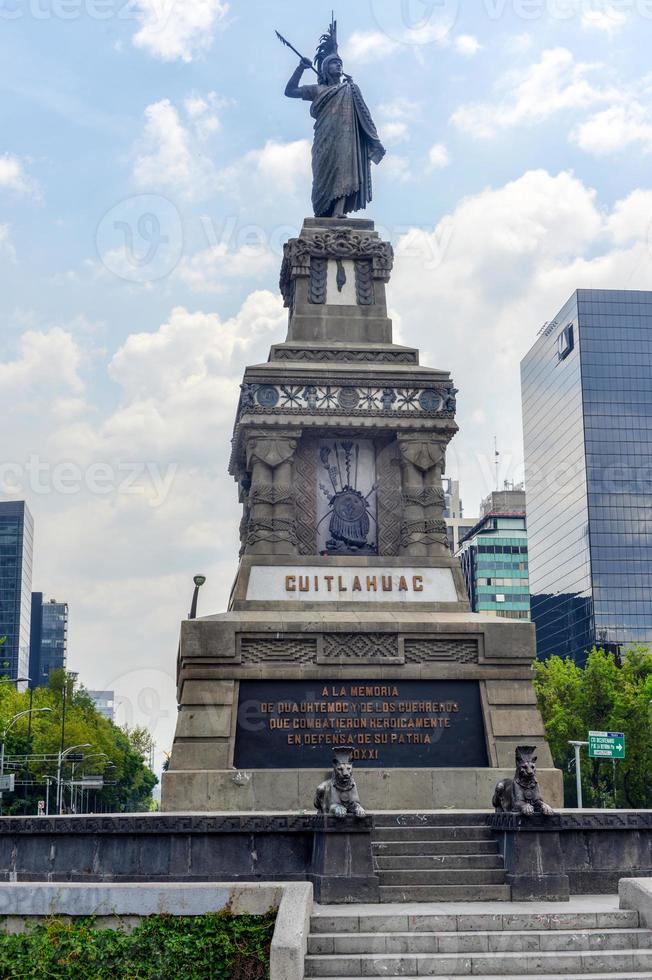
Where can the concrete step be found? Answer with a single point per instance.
(540, 976)
(390, 848)
(479, 942)
(432, 862)
(432, 833)
(445, 893)
(626, 962)
(395, 920)
(447, 876)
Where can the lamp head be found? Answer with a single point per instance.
(199, 580)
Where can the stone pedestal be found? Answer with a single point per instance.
(348, 623)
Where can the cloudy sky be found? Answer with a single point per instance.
(150, 170)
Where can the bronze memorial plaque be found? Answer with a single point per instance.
(397, 724)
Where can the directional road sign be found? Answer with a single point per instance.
(7, 782)
(606, 745)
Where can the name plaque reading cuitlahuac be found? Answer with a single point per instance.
(402, 724)
(339, 583)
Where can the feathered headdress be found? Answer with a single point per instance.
(327, 50)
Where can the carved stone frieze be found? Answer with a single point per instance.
(265, 493)
(286, 649)
(271, 530)
(390, 502)
(420, 651)
(305, 485)
(364, 282)
(422, 453)
(424, 496)
(318, 281)
(269, 450)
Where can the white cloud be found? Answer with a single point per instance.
(439, 156)
(283, 167)
(46, 367)
(396, 169)
(519, 43)
(615, 129)
(495, 268)
(209, 270)
(178, 30)
(366, 46)
(395, 132)
(13, 176)
(402, 109)
(172, 154)
(553, 84)
(608, 20)
(467, 45)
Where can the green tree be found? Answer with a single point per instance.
(128, 780)
(601, 696)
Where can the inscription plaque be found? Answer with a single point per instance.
(387, 724)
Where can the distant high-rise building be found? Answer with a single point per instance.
(457, 524)
(587, 415)
(48, 640)
(16, 550)
(494, 557)
(104, 702)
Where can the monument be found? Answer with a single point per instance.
(348, 625)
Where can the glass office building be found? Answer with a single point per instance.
(587, 416)
(16, 549)
(49, 639)
(494, 558)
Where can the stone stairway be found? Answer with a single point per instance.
(427, 858)
(488, 946)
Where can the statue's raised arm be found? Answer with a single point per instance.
(346, 141)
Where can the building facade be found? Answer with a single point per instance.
(104, 702)
(16, 551)
(587, 414)
(48, 639)
(457, 524)
(494, 557)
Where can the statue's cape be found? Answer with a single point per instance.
(346, 142)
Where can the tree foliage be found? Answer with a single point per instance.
(604, 695)
(215, 946)
(110, 752)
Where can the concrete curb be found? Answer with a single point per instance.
(636, 894)
(37, 900)
(290, 940)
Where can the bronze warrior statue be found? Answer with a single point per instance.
(346, 141)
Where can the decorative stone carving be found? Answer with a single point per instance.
(271, 521)
(522, 794)
(423, 530)
(338, 796)
(341, 243)
(360, 646)
(287, 649)
(348, 356)
(390, 504)
(440, 651)
(364, 282)
(318, 281)
(305, 484)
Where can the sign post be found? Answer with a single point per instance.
(578, 771)
(606, 745)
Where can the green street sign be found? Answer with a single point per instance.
(606, 745)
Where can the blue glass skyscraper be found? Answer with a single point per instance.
(49, 639)
(16, 548)
(587, 416)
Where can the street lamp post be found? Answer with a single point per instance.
(94, 755)
(9, 726)
(199, 580)
(62, 756)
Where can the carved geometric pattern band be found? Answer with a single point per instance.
(327, 354)
(360, 646)
(273, 530)
(433, 651)
(284, 650)
(305, 486)
(310, 396)
(390, 504)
